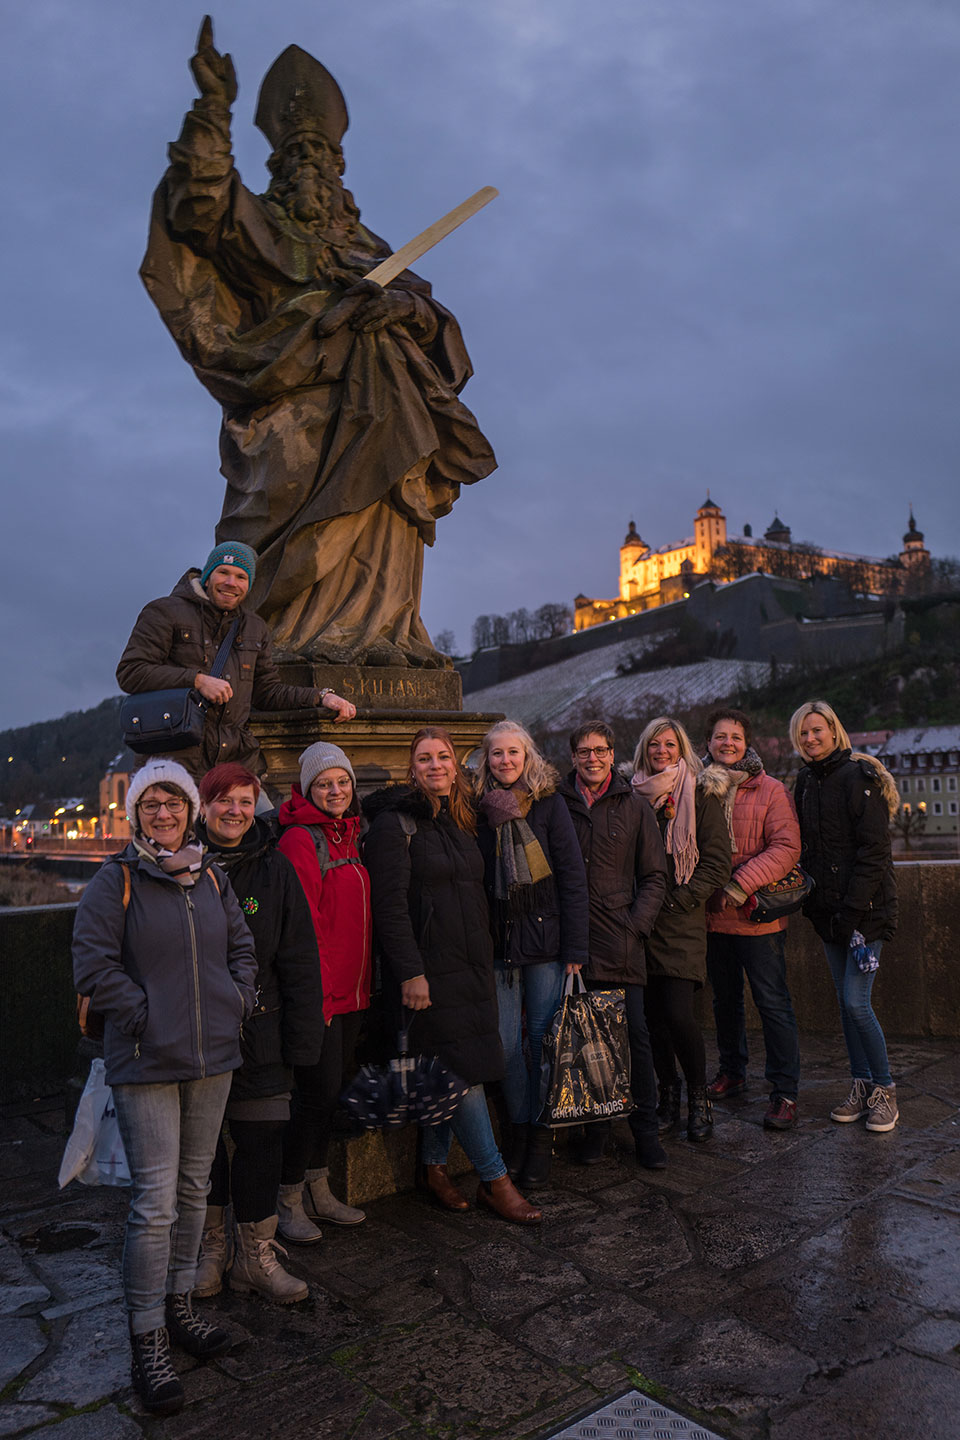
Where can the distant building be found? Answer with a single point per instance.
(113, 800)
(651, 577)
(926, 766)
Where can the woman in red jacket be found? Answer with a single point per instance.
(321, 828)
(765, 838)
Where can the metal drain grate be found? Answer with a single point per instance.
(634, 1416)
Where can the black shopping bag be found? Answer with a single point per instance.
(586, 1058)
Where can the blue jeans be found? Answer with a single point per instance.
(539, 989)
(472, 1127)
(170, 1135)
(761, 959)
(861, 1028)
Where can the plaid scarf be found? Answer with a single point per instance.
(523, 871)
(182, 865)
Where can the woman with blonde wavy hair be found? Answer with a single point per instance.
(537, 888)
(844, 802)
(689, 811)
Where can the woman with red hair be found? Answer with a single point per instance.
(284, 1031)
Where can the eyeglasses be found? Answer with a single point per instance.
(152, 807)
(324, 785)
(601, 752)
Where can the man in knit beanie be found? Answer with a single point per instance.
(174, 644)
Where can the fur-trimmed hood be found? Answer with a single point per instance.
(888, 785)
(715, 780)
(407, 798)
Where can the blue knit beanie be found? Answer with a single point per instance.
(231, 552)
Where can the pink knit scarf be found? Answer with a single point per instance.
(674, 786)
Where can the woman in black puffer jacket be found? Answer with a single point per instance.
(432, 927)
(844, 802)
(285, 1029)
(536, 884)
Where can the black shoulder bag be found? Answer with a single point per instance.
(161, 720)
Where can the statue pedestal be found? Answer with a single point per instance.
(392, 704)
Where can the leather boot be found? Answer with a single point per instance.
(319, 1202)
(256, 1267)
(293, 1223)
(442, 1188)
(213, 1255)
(154, 1378)
(699, 1114)
(502, 1197)
(536, 1167)
(668, 1110)
(515, 1143)
(594, 1143)
(650, 1153)
(188, 1330)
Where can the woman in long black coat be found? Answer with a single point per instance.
(432, 927)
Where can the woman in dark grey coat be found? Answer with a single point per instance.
(693, 827)
(161, 948)
(432, 927)
(537, 888)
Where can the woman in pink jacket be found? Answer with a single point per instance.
(765, 839)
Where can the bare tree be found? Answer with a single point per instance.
(446, 642)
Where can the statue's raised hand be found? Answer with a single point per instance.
(214, 73)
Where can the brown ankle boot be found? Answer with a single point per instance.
(442, 1188)
(504, 1199)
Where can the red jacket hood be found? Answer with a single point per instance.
(301, 811)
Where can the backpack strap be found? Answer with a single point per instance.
(91, 1021)
(322, 847)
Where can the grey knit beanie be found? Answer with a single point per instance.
(322, 756)
(160, 771)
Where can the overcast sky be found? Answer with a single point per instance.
(724, 256)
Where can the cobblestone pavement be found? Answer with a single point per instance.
(771, 1286)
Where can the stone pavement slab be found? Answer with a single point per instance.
(772, 1286)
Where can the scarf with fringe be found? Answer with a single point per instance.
(673, 791)
(522, 871)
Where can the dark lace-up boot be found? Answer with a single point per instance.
(198, 1337)
(154, 1377)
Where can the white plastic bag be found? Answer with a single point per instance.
(94, 1153)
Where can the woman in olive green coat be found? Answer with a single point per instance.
(687, 801)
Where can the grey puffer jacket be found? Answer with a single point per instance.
(173, 975)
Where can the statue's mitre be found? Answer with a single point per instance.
(299, 94)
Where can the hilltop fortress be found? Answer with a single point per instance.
(652, 577)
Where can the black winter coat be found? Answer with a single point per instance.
(627, 875)
(286, 1027)
(845, 829)
(559, 925)
(173, 975)
(176, 638)
(431, 918)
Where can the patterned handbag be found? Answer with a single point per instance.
(783, 897)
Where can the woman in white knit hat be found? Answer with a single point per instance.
(320, 834)
(161, 948)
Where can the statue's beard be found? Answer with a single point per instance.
(313, 201)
